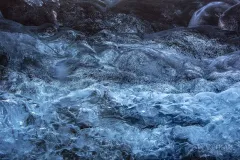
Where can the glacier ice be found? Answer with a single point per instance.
(122, 93)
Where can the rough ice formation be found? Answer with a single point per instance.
(119, 94)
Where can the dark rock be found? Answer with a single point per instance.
(84, 16)
(3, 64)
(209, 14)
(1, 16)
(3, 60)
(69, 155)
(163, 14)
(230, 19)
(91, 16)
(29, 13)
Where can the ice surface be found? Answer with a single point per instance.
(119, 95)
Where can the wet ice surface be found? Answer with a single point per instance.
(168, 95)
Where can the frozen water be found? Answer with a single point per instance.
(119, 95)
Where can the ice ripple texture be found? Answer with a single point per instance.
(168, 95)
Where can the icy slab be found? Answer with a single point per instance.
(168, 95)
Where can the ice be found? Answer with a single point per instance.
(118, 95)
(35, 2)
